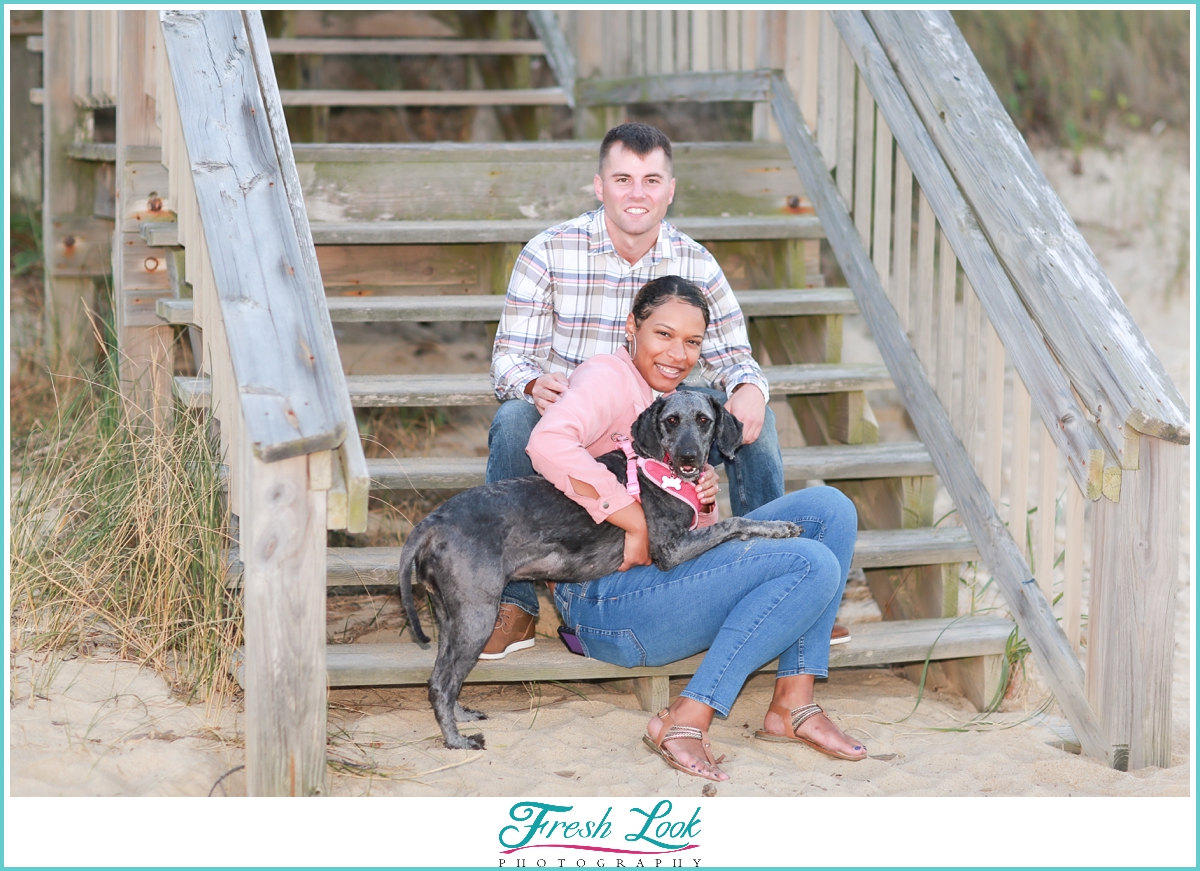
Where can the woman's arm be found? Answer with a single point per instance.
(602, 399)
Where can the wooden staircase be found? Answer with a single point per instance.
(885, 144)
(428, 233)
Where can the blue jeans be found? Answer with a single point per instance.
(745, 602)
(755, 473)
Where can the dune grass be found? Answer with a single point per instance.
(1063, 74)
(117, 530)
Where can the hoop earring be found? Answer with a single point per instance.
(632, 345)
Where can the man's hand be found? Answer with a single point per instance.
(545, 390)
(749, 406)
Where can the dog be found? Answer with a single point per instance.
(465, 551)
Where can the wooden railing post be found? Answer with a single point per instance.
(283, 549)
(139, 272)
(1131, 612)
(76, 243)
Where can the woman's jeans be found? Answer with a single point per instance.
(745, 602)
(755, 474)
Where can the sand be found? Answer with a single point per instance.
(97, 726)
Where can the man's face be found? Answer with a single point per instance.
(635, 191)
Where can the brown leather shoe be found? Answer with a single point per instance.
(514, 630)
(839, 635)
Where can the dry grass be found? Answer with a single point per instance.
(117, 536)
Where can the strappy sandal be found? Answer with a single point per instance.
(671, 731)
(792, 720)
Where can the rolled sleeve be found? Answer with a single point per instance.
(584, 415)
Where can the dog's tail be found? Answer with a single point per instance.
(408, 572)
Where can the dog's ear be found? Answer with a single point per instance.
(729, 429)
(644, 432)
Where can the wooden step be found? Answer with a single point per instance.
(876, 549)
(486, 307)
(872, 644)
(403, 46)
(507, 97)
(410, 391)
(825, 462)
(166, 233)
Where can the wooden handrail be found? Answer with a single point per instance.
(753, 86)
(280, 357)
(350, 455)
(1091, 463)
(558, 52)
(1033, 613)
(1110, 363)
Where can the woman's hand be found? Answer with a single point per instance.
(637, 535)
(708, 485)
(637, 550)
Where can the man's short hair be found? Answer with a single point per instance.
(641, 139)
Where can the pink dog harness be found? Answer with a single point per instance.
(662, 475)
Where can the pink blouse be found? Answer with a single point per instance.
(604, 397)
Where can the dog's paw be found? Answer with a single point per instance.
(468, 715)
(783, 529)
(464, 742)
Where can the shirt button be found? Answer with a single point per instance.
(605, 505)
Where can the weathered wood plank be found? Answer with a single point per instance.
(419, 390)
(450, 232)
(874, 644)
(1033, 612)
(475, 232)
(282, 542)
(481, 307)
(549, 180)
(876, 549)
(497, 97)
(1131, 610)
(1047, 511)
(100, 152)
(272, 326)
(832, 462)
(553, 43)
(139, 273)
(696, 87)
(350, 454)
(373, 391)
(1115, 371)
(1076, 437)
(402, 46)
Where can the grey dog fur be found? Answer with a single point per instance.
(465, 551)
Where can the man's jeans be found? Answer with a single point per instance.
(745, 602)
(755, 473)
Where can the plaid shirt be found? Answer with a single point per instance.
(570, 295)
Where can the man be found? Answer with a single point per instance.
(569, 295)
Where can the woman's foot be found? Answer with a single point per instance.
(817, 731)
(686, 753)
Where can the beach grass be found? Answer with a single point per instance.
(118, 529)
(1064, 74)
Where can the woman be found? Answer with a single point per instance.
(745, 602)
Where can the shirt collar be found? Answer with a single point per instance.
(599, 242)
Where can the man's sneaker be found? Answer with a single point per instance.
(840, 635)
(513, 631)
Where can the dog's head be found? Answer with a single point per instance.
(680, 429)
